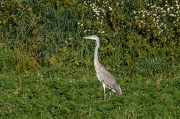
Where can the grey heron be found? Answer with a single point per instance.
(102, 74)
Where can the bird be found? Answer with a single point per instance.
(102, 74)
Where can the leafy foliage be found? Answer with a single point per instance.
(51, 32)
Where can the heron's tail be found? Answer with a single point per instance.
(118, 90)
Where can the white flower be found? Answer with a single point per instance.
(177, 6)
(154, 14)
(143, 15)
(110, 8)
(102, 32)
(161, 24)
(177, 19)
(176, 2)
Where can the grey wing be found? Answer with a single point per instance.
(108, 79)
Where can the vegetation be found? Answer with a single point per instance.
(46, 68)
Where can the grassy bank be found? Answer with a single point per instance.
(76, 93)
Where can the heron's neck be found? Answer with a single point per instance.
(96, 62)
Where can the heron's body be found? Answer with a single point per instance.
(103, 75)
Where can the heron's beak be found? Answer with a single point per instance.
(88, 37)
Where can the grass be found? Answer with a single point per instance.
(76, 93)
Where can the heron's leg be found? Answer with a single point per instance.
(104, 87)
(110, 94)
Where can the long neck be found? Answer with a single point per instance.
(96, 62)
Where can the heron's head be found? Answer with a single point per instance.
(93, 37)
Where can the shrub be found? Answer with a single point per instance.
(51, 32)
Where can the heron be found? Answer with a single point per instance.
(102, 74)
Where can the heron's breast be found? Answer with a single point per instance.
(99, 78)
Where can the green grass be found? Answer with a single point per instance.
(76, 93)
